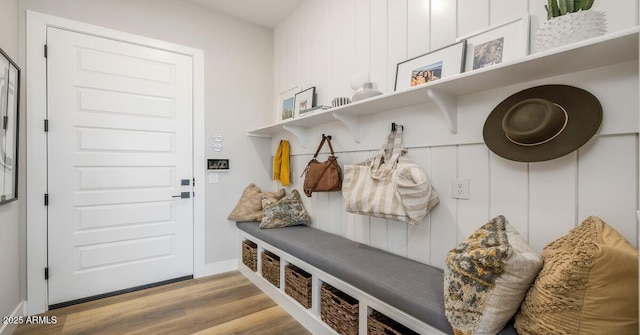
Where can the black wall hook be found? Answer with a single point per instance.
(326, 136)
(393, 126)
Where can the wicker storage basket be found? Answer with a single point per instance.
(380, 324)
(250, 255)
(271, 268)
(297, 284)
(338, 310)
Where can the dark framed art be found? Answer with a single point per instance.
(9, 125)
(304, 101)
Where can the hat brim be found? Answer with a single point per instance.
(584, 118)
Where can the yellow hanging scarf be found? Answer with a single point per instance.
(281, 163)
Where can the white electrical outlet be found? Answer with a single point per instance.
(460, 188)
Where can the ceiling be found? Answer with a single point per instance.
(267, 13)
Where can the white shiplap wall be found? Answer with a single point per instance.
(325, 42)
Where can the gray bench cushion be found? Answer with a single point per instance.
(412, 287)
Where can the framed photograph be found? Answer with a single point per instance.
(431, 66)
(498, 44)
(305, 101)
(287, 104)
(9, 125)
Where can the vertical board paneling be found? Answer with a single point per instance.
(473, 163)
(543, 200)
(313, 57)
(616, 182)
(443, 216)
(506, 10)
(509, 192)
(419, 236)
(362, 36)
(304, 41)
(334, 25)
(418, 38)
(552, 199)
(443, 23)
(622, 15)
(324, 83)
(473, 16)
(378, 233)
(348, 46)
(397, 16)
(379, 44)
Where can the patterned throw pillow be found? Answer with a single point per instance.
(588, 285)
(249, 207)
(288, 211)
(486, 277)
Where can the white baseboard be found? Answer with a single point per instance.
(7, 329)
(218, 267)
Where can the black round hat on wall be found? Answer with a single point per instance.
(542, 123)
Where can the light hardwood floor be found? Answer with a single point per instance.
(222, 304)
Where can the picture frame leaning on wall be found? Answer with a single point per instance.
(497, 44)
(430, 67)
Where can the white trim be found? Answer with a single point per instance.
(7, 329)
(36, 37)
(311, 318)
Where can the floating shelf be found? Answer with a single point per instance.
(613, 48)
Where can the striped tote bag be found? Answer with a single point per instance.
(389, 185)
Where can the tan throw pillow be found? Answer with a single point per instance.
(486, 277)
(588, 285)
(288, 211)
(249, 207)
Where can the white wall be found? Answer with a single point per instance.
(325, 42)
(11, 246)
(238, 83)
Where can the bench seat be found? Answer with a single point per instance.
(412, 287)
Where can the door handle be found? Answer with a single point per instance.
(183, 195)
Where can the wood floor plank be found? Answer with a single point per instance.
(260, 323)
(221, 304)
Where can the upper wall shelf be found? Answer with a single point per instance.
(614, 48)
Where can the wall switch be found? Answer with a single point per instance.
(460, 188)
(213, 178)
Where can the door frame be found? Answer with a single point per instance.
(36, 98)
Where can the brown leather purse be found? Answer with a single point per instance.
(322, 176)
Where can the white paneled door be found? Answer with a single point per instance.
(119, 160)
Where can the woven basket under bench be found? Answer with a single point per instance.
(297, 284)
(339, 310)
(380, 324)
(250, 255)
(271, 268)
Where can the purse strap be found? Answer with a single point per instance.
(324, 138)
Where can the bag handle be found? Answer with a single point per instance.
(381, 166)
(324, 138)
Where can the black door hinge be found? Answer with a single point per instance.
(45, 51)
(46, 273)
(46, 199)
(46, 125)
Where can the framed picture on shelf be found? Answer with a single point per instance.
(304, 101)
(287, 104)
(431, 66)
(9, 125)
(497, 44)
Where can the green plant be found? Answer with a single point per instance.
(557, 8)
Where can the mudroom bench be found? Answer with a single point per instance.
(408, 292)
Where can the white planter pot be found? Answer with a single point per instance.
(570, 28)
